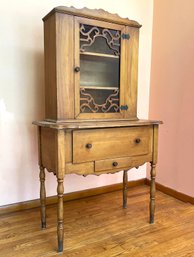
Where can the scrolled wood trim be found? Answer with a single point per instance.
(94, 14)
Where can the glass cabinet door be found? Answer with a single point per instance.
(98, 68)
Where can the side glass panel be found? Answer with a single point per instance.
(99, 69)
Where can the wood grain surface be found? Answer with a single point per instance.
(98, 227)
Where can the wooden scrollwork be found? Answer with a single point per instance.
(87, 102)
(88, 37)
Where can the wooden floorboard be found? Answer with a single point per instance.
(97, 226)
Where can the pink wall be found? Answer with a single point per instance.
(172, 91)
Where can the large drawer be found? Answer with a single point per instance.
(100, 144)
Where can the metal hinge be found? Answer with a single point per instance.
(125, 36)
(124, 107)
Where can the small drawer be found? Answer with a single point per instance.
(101, 144)
(111, 164)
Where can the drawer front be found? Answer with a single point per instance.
(101, 144)
(111, 164)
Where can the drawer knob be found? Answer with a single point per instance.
(115, 164)
(88, 146)
(77, 69)
(137, 140)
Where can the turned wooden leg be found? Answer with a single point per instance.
(125, 187)
(42, 197)
(152, 192)
(60, 226)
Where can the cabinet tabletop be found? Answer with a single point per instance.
(84, 124)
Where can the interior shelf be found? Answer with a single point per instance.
(100, 55)
(99, 87)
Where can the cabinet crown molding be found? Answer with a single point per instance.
(98, 14)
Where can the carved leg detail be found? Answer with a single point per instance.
(125, 187)
(42, 197)
(152, 192)
(60, 227)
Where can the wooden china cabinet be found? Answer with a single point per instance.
(91, 124)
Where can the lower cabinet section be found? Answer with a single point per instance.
(97, 151)
(76, 148)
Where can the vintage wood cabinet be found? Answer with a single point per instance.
(91, 124)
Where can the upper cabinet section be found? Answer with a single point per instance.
(90, 65)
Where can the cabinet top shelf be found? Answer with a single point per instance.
(100, 55)
(99, 88)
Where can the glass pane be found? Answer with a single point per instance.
(99, 69)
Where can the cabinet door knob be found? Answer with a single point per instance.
(77, 69)
(88, 146)
(137, 140)
(115, 164)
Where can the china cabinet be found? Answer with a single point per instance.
(91, 124)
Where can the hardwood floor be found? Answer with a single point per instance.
(98, 226)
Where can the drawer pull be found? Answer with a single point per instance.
(115, 164)
(137, 140)
(88, 146)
